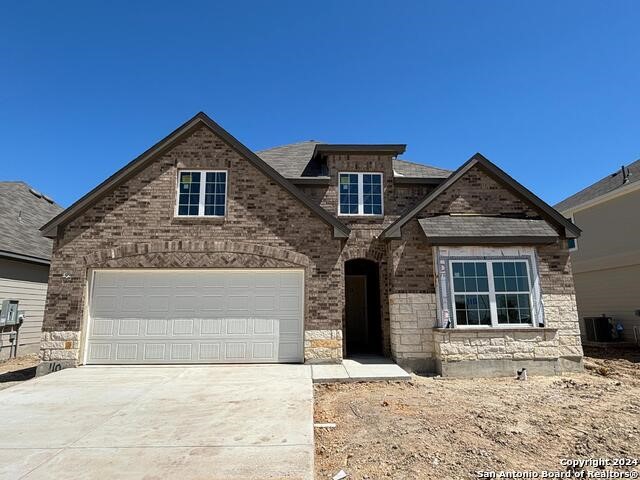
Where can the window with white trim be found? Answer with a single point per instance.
(491, 293)
(360, 193)
(201, 193)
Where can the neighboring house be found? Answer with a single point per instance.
(606, 258)
(24, 259)
(202, 251)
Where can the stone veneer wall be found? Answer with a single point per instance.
(59, 345)
(561, 312)
(323, 346)
(413, 317)
(559, 300)
(496, 351)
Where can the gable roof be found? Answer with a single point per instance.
(22, 211)
(297, 160)
(571, 231)
(601, 187)
(339, 229)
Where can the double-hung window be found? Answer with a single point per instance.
(491, 293)
(201, 193)
(360, 194)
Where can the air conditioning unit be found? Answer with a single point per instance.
(598, 329)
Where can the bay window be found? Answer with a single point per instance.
(491, 293)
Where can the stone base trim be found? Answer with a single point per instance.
(419, 364)
(460, 344)
(571, 364)
(46, 368)
(497, 368)
(323, 346)
(60, 345)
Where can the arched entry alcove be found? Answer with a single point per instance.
(363, 329)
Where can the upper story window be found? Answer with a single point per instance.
(201, 193)
(491, 293)
(360, 194)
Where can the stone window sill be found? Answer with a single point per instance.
(498, 330)
(211, 219)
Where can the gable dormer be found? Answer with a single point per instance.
(362, 176)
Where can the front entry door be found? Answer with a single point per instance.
(357, 324)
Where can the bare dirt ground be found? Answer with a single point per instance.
(451, 428)
(17, 370)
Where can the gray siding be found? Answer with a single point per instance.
(610, 231)
(606, 265)
(613, 292)
(27, 283)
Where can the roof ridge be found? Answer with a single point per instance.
(567, 200)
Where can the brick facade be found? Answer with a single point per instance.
(133, 226)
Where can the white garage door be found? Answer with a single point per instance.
(195, 316)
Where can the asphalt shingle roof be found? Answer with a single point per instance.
(453, 226)
(605, 185)
(293, 161)
(289, 160)
(21, 215)
(410, 169)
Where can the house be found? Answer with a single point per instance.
(24, 260)
(202, 251)
(606, 258)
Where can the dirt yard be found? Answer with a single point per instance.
(435, 428)
(17, 370)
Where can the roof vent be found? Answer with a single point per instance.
(48, 199)
(625, 175)
(35, 192)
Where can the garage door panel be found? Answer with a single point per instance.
(102, 328)
(213, 316)
(130, 327)
(154, 352)
(211, 326)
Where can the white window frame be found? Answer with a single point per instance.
(361, 195)
(202, 193)
(493, 306)
(575, 240)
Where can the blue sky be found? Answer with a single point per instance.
(550, 91)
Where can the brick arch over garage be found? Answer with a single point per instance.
(196, 254)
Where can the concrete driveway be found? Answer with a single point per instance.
(196, 422)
